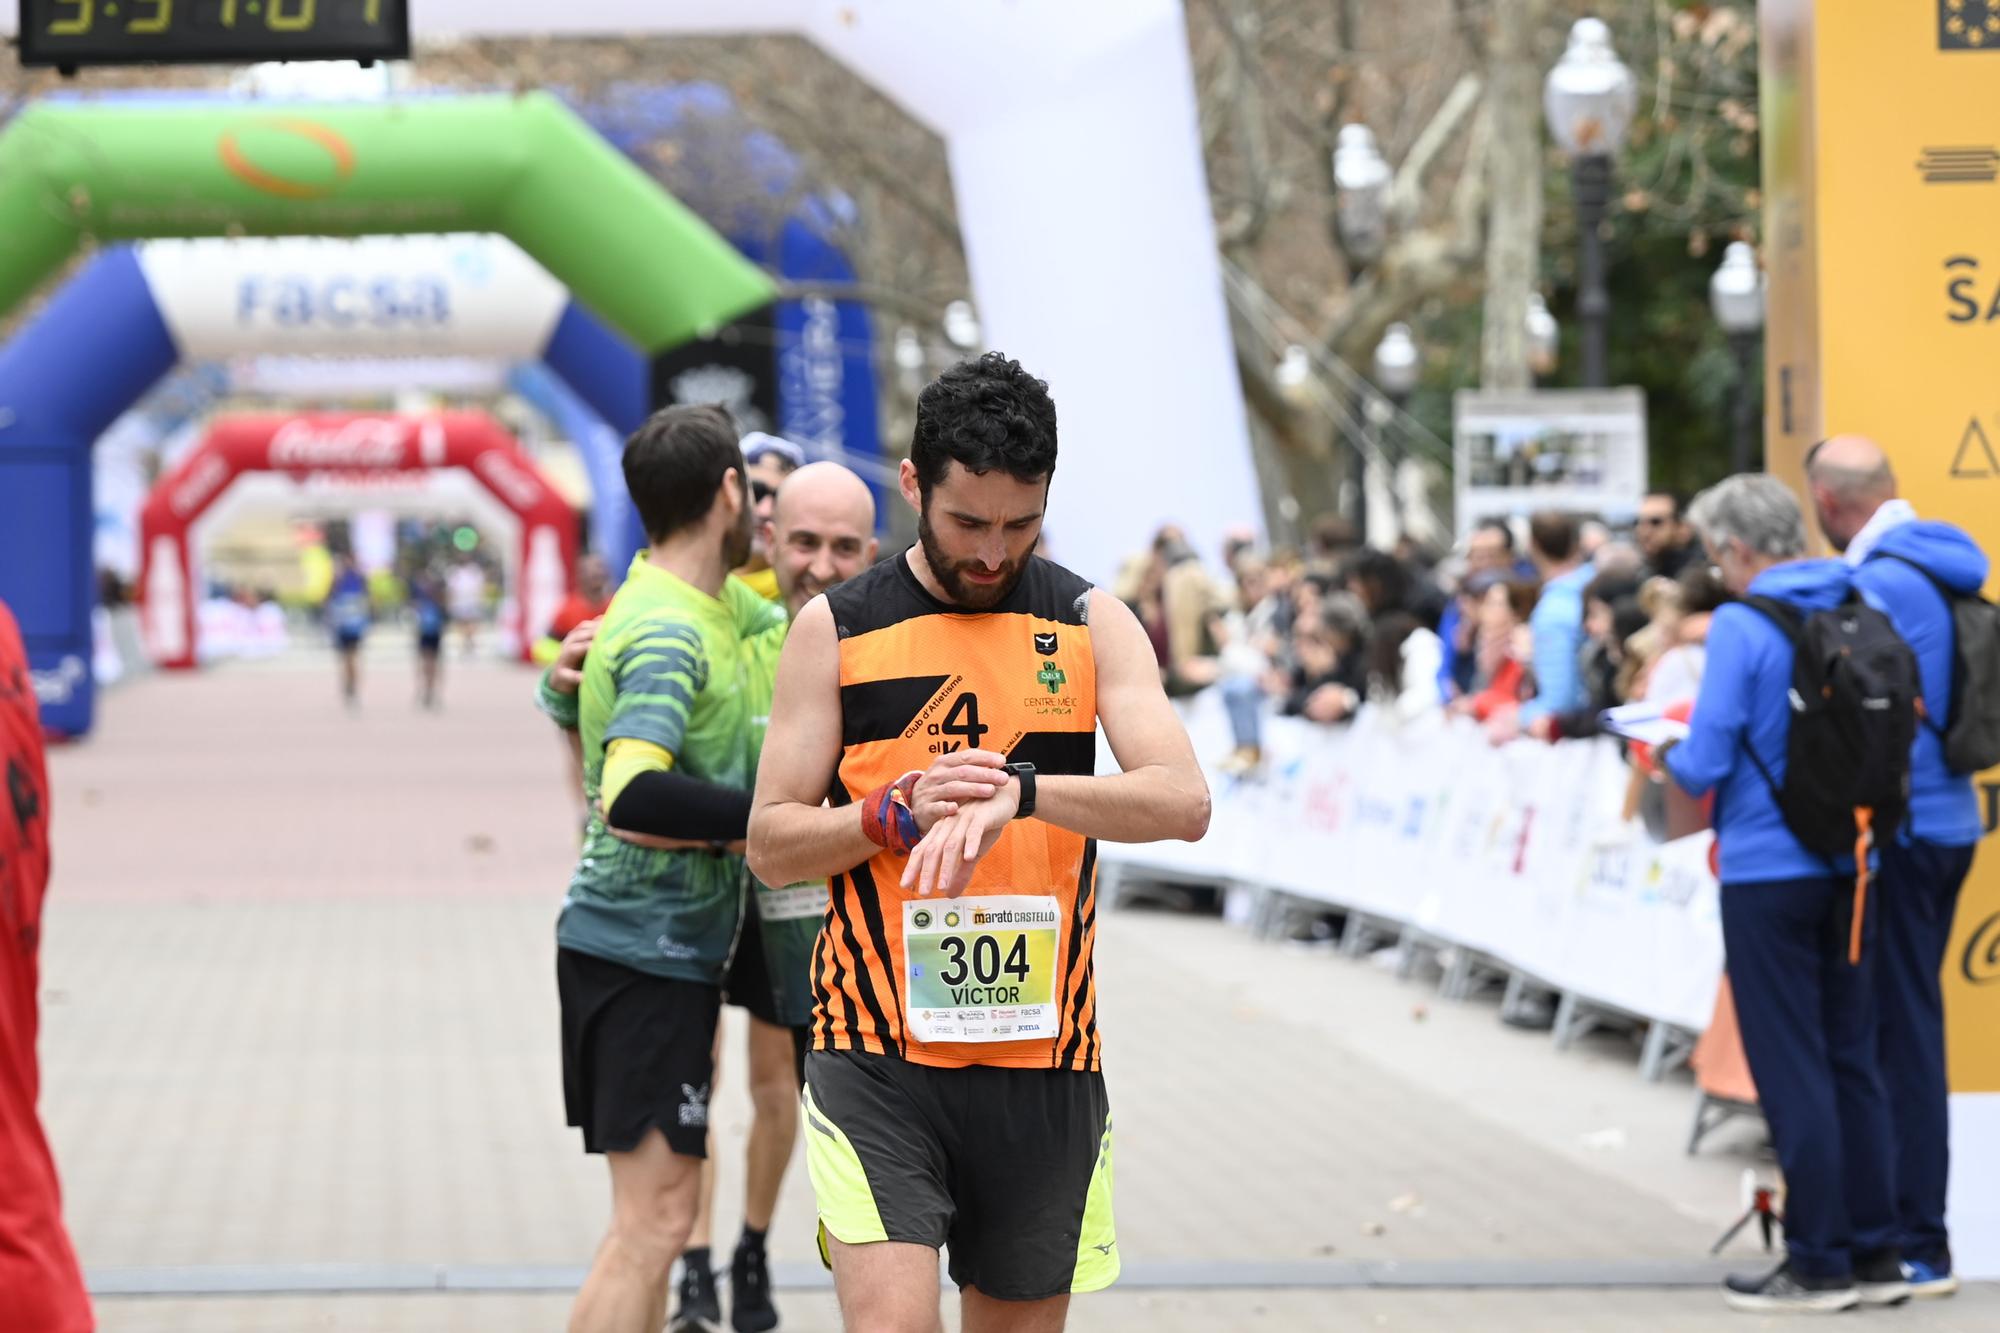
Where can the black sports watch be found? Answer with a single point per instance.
(1026, 774)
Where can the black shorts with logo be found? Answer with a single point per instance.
(1009, 1169)
(637, 1053)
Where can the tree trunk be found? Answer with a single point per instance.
(1514, 184)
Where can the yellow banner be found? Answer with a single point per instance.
(1883, 218)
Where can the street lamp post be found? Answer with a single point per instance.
(1361, 179)
(1544, 337)
(961, 326)
(1589, 98)
(1398, 363)
(1736, 294)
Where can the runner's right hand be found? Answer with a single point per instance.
(566, 676)
(962, 775)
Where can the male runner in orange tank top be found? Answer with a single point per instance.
(932, 751)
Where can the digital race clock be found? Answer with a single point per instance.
(73, 33)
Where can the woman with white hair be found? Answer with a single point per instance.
(1807, 1013)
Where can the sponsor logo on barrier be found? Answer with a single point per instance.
(1324, 803)
(340, 154)
(1982, 953)
(199, 486)
(364, 442)
(1527, 834)
(58, 685)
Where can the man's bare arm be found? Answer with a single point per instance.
(1161, 792)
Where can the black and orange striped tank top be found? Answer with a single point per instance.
(1002, 974)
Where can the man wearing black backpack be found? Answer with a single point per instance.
(1802, 720)
(1926, 577)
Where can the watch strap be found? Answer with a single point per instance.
(1025, 775)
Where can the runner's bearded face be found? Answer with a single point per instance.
(978, 531)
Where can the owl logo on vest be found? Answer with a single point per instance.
(1045, 644)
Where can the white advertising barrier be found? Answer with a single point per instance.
(1518, 852)
(460, 295)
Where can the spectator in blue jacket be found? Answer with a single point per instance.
(1895, 556)
(1807, 1015)
(1557, 625)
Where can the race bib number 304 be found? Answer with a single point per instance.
(982, 969)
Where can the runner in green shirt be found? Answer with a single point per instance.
(646, 933)
(669, 669)
(821, 532)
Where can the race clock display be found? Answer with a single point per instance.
(71, 34)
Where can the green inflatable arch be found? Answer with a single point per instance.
(522, 166)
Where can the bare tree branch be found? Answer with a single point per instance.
(1406, 191)
(1246, 117)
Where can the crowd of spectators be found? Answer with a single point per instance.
(1530, 628)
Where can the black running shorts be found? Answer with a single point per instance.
(1009, 1169)
(637, 1053)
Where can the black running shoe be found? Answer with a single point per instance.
(1783, 1291)
(1880, 1280)
(750, 1308)
(699, 1310)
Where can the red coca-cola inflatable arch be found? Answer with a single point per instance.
(351, 444)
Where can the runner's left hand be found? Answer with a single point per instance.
(944, 861)
(566, 676)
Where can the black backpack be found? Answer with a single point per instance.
(1854, 717)
(1971, 730)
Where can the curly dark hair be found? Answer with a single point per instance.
(985, 414)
